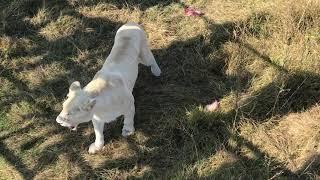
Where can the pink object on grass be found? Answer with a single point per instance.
(214, 106)
(189, 11)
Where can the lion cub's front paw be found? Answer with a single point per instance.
(126, 132)
(94, 148)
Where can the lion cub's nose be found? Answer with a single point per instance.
(60, 119)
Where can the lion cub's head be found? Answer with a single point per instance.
(77, 108)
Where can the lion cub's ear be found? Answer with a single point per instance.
(75, 86)
(89, 105)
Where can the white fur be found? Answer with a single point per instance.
(109, 94)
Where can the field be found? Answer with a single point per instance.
(260, 58)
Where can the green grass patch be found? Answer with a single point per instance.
(4, 122)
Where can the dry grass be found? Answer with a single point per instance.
(293, 140)
(259, 57)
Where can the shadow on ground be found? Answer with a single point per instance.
(191, 76)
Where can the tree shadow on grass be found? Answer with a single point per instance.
(15, 161)
(188, 144)
(190, 77)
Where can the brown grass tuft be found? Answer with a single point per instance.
(64, 26)
(293, 140)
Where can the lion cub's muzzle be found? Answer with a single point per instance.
(64, 122)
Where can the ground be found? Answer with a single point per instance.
(260, 58)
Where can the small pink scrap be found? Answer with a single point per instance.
(189, 11)
(214, 106)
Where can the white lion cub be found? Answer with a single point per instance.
(109, 94)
